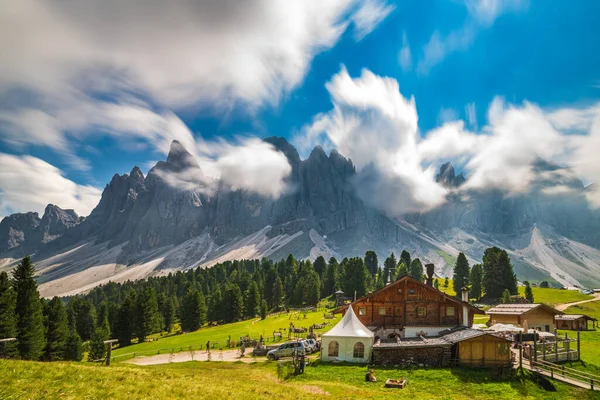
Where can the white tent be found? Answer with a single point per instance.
(348, 341)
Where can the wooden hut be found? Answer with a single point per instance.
(479, 348)
(574, 322)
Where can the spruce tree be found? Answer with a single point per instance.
(168, 314)
(84, 313)
(277, 293)
(356, 278)
(8, 321)
(330, 280)
(73, 347)
(215, 311)
(402, 270)
(388, 268)
(320, 266)
(498, 273)
(405, 256)
(506, 296)
(126, 319)
(233, 303)
(57, 329)
(97, 345)
(529, 294)
(461, 273)
(371, 262)
(475, 279)
(416, 269)
(193, 311)
(263, 310)
(28, 310)
(252, 300)
(147, 316)
(446, 283)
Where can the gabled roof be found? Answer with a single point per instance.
(520, 309)
(466, 334)
(349, 326)
(408, 278)
(572, 317)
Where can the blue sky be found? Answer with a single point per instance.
(453, 57)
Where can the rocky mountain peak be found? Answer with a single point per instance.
(286, 148)
(179, 158)
(447, 176)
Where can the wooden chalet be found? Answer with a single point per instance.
(538, 316)
(409, 308)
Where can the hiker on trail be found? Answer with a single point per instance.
(208, 346)
(370, 376)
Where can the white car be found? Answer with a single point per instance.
(310, 345)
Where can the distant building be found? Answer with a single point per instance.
(537, 316)
(574, 322)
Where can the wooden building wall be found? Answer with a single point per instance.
(538, 319)
(402, 300)
(486, 350)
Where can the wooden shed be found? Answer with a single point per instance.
(479, 349)
(538, 316)
(574, 322)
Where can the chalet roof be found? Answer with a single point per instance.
(349, 326)
(520, 309)
(446, 340)
(466, 334)
(409, 278)
(573, 317)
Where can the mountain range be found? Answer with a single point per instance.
(145, 225)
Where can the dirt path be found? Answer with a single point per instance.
(563, 307)
(184, 356)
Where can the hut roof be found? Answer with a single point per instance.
(520, 309)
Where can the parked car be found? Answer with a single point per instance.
(311, 345)
(286, 350)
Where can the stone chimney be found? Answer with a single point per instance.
(465, 298)
(429, 269)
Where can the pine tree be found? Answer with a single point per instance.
(277, 293)
(371, 262)
(544, 284)
(126, 319)
(193, 311)
(263, 310)
(498, 273)
(215, 311)
(252, 300)
(388, 268)
(168, 314)
(475, 279)
(436, 284)
(446, 283)
(320, 266)
(416, 269)
(506, 296)
(402, 270)
(356, 277)
(97, 346)
(461, 274)
(405, 256)
(30, 320)
(73, 347)
(84, 314)
(269, 284)
(147, 316)
(102, 321)
(330, 281)
(8, 322)
(57, 329)
(529, 294)
(233, 303)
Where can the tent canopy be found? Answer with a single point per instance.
(349, 326)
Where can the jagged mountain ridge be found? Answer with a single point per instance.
(143, 225)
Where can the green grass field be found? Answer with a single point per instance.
(218, 335)
(553, 297)
(221, 380)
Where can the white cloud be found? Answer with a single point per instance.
(373, 124)
(482, 15)
(369, 15)
(29, 184)
(404, 56)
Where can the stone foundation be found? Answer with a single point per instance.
(411, 356)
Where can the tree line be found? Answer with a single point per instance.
(227, 292)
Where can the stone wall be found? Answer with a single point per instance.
(410, 356)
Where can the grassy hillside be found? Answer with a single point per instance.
(555, 296)
(590, 340)
(214, 380)
(219, 334)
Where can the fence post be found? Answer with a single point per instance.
(592, 384)
(534, 346)
(521, 357)
(563, 370)
(551, 372)
(556, 350)
(578, 345)
(544, 351)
